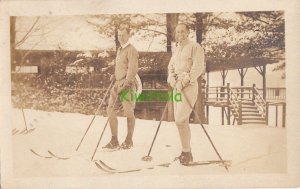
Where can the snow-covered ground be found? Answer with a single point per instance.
(251, 148)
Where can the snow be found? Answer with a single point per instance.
(251, 148)
(103, 54)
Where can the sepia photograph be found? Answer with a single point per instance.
(139, 95)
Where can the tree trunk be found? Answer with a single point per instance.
(199, 27)
(172, 20)
(12, 40)
(200, 103)
(117, 43)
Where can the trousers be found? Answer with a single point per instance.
(182, 113)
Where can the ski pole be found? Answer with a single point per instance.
(104, 128)
(100, 105)
(24, 118)
(148, 157)
(211, 142)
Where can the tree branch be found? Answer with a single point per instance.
(155, 31)
(253, 18)
(27, 34)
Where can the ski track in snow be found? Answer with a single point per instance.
(251, 148)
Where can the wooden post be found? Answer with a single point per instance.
(223, 77)
(229, 114)
(222, 109)
(144, 112)
(207, 78)
(240, 119)
(222, 89)
(276, 115)
(207, 106)
(228, 109)
(207, 114)
(228, 94)
(242, 82)
(253, 93)
(283, 114)
(221, 95)
(264, 82)
(267, 113)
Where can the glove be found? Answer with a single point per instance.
(172, 80)
(112, 78)
(179, 86)
(184, 78)
(182, 81)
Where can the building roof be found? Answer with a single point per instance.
(152, 62)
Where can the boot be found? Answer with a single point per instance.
(185, 158)
(113, 144)
(127, 144)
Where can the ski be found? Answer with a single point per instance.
(106, 168)
(110, 168)
(115, 171)
(15, 131)
(29, 131)
(23, 131)
(225, 163)
(103, 169)
(112, 171)
(35, 153)
(57, 157)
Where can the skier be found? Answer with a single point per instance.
(126, 67)
(185, 66)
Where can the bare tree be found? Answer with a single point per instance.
(107, 25)
(22, 34)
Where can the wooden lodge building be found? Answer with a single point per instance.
(73, 70)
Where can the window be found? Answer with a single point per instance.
(161, 84)
(26, 69)
(76, 69)
(276, 92)
(147, 84)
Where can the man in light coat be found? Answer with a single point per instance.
(185, 66)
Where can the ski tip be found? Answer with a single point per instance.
(15, 132)
(23, 131)
(30, 130)
(105, 165)
(35, 153)
(103, 169)
(58, 157)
